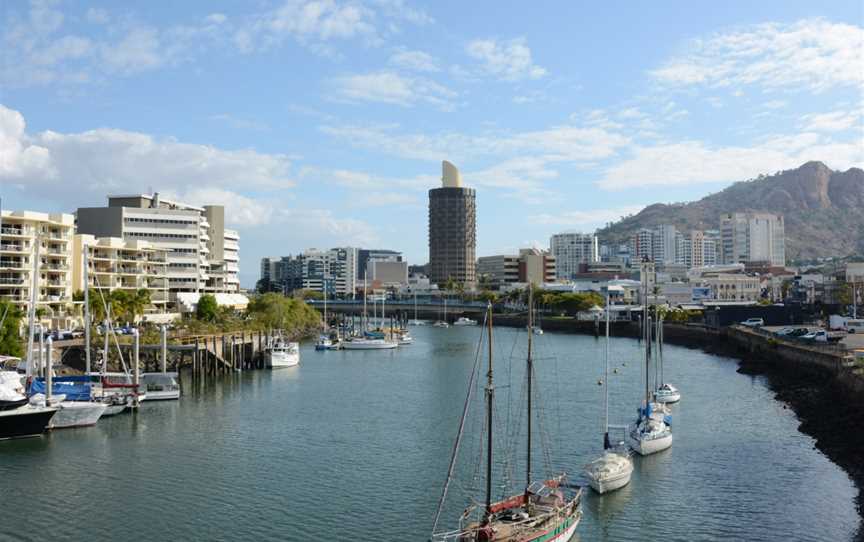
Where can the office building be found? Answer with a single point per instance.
(753, 237)
(570, 250)
(365, 255)
(531, 266)
(20, 234)
(202, 255)
(452, 230)
(117, 264)
(387, 273)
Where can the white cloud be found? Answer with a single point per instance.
(397, 9)
(775, 104)
(240, 210)
(240, 123)
(385, 199)
(557, 143)
(87, 165)
(508, 60)
(835, 121)
(689, 162)
(414, 60)
(392, 88)
(322, 228)
(592, 217)
(811, 54)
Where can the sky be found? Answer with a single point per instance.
(323, 123)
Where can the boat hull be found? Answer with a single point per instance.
(77, 414)
(280, 360)
(351, 345)
(650, 446)
(611, 483)
(25, 421)
(667, 398)
(113, 410)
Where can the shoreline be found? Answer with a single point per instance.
(827, 412)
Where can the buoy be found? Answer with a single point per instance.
(600, 382)
(615, 371)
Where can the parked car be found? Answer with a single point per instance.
(854, 326)
(753, 322)
(823, 336)
(784, 331)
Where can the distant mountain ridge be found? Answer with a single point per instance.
(823, 210)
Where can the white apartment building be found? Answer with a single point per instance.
(572, 249)
(23, 234)
(194, 238)
(117, 264)
(753, 237)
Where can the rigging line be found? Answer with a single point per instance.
(461, 428)
(110, 325)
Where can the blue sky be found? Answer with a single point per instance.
(323, 123)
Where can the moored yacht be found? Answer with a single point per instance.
(464, 321)
(667, 393)
(160, 386)
(361, 343)
(281, 353)
(18, 418)
(613, 469)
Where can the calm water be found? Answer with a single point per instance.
(355, 446)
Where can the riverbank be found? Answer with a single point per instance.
(830, 407)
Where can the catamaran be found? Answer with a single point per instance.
(613, 469)
(546, 510)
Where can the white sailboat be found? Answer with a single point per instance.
(665, 393)
(652, 432)
(415, 321)
(443, 322)
(613, 469)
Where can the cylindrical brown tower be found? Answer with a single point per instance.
(452, 230)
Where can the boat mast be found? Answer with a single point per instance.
(415, 306)
(490, 392)
(84, 259)
(530, 371)
(364, 323)
(606, 445)
(31, 310)
(325, 305)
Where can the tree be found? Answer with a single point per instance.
(10, 316)
(488, 296)
(307, 294)
(207, 308)
(844, 294)
(275, 311)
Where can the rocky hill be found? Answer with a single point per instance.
(823, 209)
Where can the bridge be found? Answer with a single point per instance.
(425, 310)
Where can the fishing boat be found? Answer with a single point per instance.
(613, 469)
(546, 510)
(463, 321)
(281, 353)
(19, 418)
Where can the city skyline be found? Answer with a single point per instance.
(348, 109)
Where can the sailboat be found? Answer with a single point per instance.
(613, 469)
(665, 393)
(652, 432)
(443, 322)
(368, 340)
(547, 510)
(415, 321)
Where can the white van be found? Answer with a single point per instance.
(855, 326)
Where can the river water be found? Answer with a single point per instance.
(355, 446)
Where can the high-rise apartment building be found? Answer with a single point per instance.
(202, 255)
(20, 234)
(333, 271)
(116, 264)
(753, 237)
(452, 230)
(570, 250)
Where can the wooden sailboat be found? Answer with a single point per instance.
(546, 511)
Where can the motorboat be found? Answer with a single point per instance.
(404, 338)
(19, 418)
(463, 321)
(281, 353)
(326, 343)
(160, 386)
(667, 394)
(361, 343)
(440, 323)
(416, 322)
(538, 331)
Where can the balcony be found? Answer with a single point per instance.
(18, 232)
(14, 281)
(12, 264)
(12, 247)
